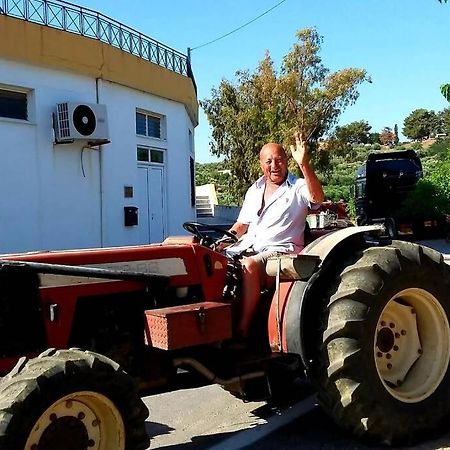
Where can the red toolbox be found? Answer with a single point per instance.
(187, 325)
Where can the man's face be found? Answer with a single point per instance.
(273, 162)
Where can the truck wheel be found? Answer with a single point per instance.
(385, 373)
(71, 399)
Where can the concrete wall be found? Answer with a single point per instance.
(64, 196)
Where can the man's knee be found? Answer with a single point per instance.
(250, 265)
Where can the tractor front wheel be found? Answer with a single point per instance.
(73, 400)
(386, 353)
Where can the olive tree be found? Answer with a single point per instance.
(268, 105)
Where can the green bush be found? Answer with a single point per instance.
(431, 196)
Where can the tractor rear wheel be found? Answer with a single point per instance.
(71, 399)
(386, 348)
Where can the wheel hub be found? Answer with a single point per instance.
(412, 345)
(68, 424)
(397, 343)
(81, 420)
(65, 432)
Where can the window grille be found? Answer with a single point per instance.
(149, 125)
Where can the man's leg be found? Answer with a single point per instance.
(254, 280)
(251, 291)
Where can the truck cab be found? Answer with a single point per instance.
(382, 184)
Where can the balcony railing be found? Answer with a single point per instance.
(86, 22)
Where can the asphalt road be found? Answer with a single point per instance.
(208, 418)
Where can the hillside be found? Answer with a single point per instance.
(339, 175)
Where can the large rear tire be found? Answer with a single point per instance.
(73, 400)
(385, 359)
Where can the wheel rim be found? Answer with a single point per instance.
(79, 420)
(412, 345)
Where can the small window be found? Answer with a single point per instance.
(140, 124)
(151, 155)
(13, 104)
(360, 190)
(156, 156)
(192, 173)
(142, 154)
(191, 142)
(148, 125)
(154, 127)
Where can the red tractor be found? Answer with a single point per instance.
(364, 318)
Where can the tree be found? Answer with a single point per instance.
(269, 106)
(354, 132)
(445, 91)
(444, 117)
(218, 174)
(374, 138)
(421, 124)
(396, 141)
(430, 198)
(243, 117)
(387, 137)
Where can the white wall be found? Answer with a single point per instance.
(50, 195)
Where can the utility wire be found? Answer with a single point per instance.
(239, 28)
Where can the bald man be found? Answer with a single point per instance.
(272, 218)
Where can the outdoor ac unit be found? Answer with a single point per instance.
(81, 121)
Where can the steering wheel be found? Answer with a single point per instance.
(200, 231)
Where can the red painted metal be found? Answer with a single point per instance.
(193, 255)
(200, 266)
(66, 297)
(276, 324)
(188, 325)
(7, 363)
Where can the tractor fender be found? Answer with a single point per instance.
(288, 316)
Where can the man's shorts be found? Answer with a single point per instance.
(261, 259)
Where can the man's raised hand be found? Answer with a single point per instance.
(300, 150)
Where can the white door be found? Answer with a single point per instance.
(151, 205)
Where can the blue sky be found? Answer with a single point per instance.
(403, 44)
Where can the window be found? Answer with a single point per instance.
(149, 125)
(360, 190)
(192, 173)
(150, 155)
(13, 104)
(191, 142)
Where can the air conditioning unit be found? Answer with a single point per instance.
(81, 121)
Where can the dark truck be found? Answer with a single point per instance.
(383, 183)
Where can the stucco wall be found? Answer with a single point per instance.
(60, 196)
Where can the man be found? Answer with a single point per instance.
(272, 218)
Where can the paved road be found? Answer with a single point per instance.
(208, 418)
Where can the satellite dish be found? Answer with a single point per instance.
(84, 120)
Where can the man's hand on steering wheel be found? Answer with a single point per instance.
(224, 242)
(200, 230)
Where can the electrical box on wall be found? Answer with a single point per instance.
(130, 214)
(81, 121)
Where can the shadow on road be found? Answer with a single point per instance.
(315, 430)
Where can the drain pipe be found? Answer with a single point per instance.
(100, 163)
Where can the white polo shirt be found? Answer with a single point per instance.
(279, 226)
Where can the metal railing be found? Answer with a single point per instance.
(86, 22)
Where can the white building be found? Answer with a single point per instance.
(84, 193)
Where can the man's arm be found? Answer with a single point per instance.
(300, 155)
(239, 229)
